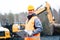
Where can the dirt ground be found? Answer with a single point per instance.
(50, 38)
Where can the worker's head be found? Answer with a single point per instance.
(30, 9)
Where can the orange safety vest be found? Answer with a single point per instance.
(30, 26)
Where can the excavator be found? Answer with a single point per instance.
(48, 20)
(45, 14)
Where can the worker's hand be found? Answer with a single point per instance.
(30, 33)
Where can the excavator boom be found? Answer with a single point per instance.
(48, 10)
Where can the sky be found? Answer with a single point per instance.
(17, 6)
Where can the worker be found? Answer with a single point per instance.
(33, 25)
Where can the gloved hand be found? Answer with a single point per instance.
(22, 34)
(30, 33)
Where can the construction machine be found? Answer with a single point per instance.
(4, 33)
(46, 17)
(48, 21)
(16, 28)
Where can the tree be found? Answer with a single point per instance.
(22, 16)
(16, 18)
(11, 18)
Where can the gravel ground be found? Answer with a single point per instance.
(50, 38)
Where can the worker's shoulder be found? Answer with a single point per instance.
(35, 17)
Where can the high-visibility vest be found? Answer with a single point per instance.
(30, 26)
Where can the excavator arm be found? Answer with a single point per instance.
(49, 28)
(48, 10)
(40, 10)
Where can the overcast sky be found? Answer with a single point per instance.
(16, 6)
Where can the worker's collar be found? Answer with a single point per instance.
(29, 16)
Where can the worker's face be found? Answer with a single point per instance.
(30, 11)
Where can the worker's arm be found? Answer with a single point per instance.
(38, 26)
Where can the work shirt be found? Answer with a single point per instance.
(38, 26)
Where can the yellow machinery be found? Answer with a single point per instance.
(49, 14)
(4, 33)
(51, 25)
(15, 28)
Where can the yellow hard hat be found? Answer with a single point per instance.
(30, 7)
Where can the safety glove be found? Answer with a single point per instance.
(22, 34)
(29, 33)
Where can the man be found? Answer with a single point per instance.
(33, 25)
